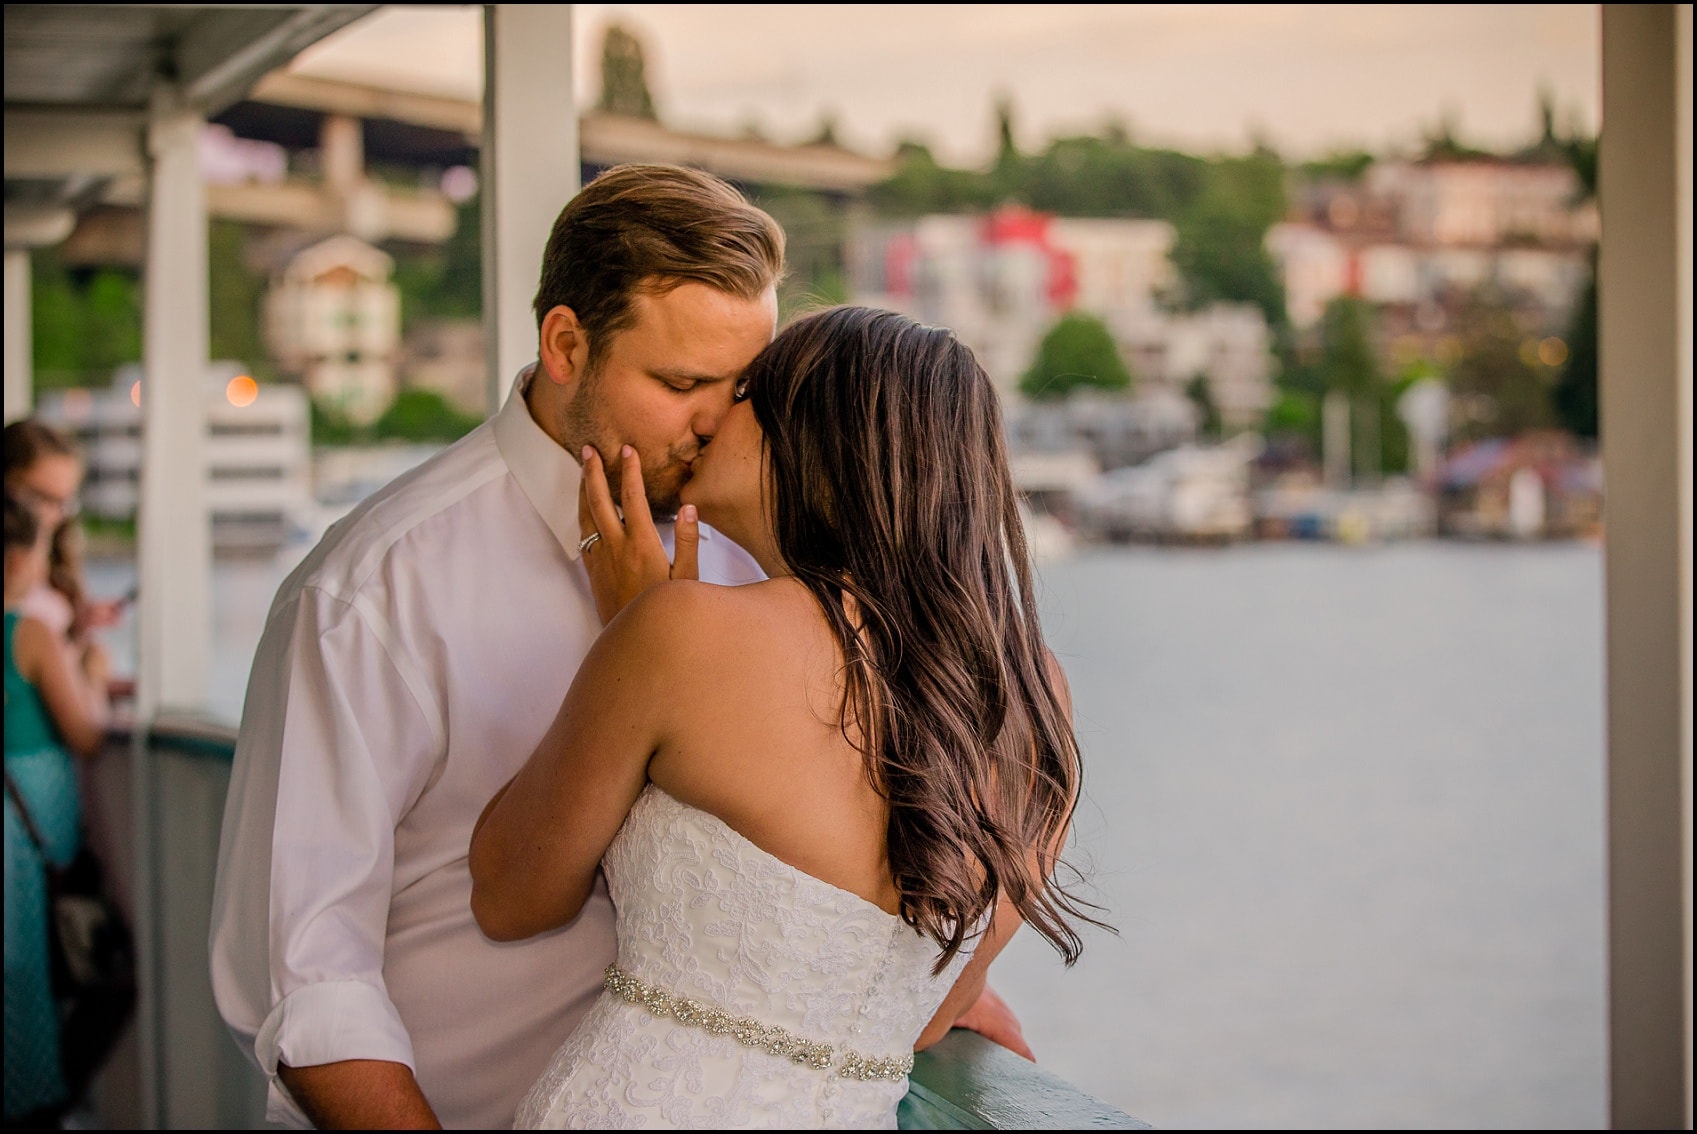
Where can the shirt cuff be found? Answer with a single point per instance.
(328, 1022)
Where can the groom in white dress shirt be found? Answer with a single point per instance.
(412, 662)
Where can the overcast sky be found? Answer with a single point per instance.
(1310, 78)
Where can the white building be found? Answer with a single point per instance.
(1318, 265)
(258, 443)
(333, 319)
(1000, 282)
(1228, 345)
(1314, 265)
(1117, 265)
(1484, 202)
(1410, 232)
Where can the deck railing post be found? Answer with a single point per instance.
(174, 551)
(530, 169)
(1645, 293)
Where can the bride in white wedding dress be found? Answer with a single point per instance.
(823, 802)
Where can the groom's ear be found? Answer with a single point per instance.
(564, 347)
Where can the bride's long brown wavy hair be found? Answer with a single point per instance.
(890, 486)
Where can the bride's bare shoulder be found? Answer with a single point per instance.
(684, 611)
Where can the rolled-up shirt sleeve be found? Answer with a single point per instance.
(340, 733)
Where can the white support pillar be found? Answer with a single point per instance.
(530, 169)
(176, 563)
(1644, 287)
(174, 554)
(20, 383)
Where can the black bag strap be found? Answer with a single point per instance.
(23, 812)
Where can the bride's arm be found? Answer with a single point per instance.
(970, 985)
(536, 847)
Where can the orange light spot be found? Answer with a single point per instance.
(135, 393)
(242, 390)
(1552, 351)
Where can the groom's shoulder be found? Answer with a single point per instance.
(356, 547)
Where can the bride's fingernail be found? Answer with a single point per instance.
(627, 451)
(587, 453)
(688, 513)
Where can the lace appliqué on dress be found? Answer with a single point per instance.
(705, 914)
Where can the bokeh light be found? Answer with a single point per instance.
(1552, 351)
(135, 392)
(241, 391)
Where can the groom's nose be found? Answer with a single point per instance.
(708, 417)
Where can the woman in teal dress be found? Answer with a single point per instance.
(55, 705)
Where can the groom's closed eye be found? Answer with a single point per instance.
(688, 381)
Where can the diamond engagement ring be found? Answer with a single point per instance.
(587, 542)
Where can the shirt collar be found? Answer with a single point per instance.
(545, 471)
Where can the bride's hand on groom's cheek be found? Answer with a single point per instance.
(629, 557)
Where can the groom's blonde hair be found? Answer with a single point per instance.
(649, 228)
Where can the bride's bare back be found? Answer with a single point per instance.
(756, 738)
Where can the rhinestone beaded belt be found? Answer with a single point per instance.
(752, 1033)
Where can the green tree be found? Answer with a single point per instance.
(1343, 165)
(83, 324)
(1220, 248)
(1350, 366)
(330, 426)
(235, 296)
(423, 415)
(443, 282)
(920, 185)
(1575, 393)
(1444, 144)
(1295, 414)
(624, 78)
(1007, 150)
(1202, 397)
(1108, 177)
(815, 229)
(1082, 176)
(1348, 361)
(1499, 393)
(1078, 351)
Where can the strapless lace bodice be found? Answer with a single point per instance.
(705, 914)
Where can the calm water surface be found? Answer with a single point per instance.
(1344, 807)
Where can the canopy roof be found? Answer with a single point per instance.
(80, 80)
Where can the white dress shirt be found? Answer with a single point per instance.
(408, 668)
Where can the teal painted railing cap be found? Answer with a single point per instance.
(965, 1082)
(192, 734)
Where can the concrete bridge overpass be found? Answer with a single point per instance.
(358, 130)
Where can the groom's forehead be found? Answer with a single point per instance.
(696, 333)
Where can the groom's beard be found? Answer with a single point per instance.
(583, 423)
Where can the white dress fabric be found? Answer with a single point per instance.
(701, 912)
